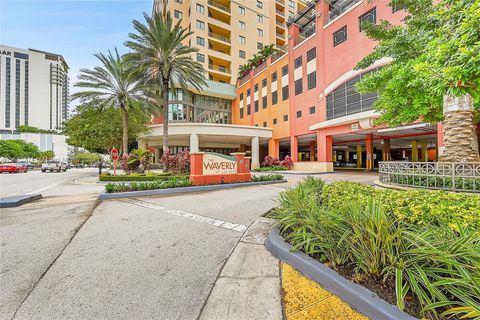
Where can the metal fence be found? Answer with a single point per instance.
(453, 176)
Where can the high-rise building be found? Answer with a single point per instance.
(228, 33)
(33, 89)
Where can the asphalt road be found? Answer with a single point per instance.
(49, 184)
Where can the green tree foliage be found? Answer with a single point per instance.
(87, 158)
(46, 155)
(31, 129)
(162, 61)
(435, 52)
(18, 149)
(99, 130)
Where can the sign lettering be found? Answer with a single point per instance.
(216, 164)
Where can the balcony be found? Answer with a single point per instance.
(280, 2)
(280, 35)
(219, 6)
(281, 24)
(219, 37)
(280, 13)
(222, 69)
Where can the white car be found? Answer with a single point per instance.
(54, 166)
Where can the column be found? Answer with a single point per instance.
(255, 152)
(273, 148)
(312, 150)
(424, 151)
(359, 155)
(369, 149)
(386, 150)
(414, 151)
(294, 148)
(440, 146)
(142, 144)
(157, 155)
(193, 143)
(347, 155)
(324, 146)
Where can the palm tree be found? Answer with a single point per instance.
(268, 51)
(163, 61)
(110, 85)
(244, 69)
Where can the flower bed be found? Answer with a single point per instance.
(417, 249)
(267, 177)
(272, 168)
(167, 182)
(150, 176)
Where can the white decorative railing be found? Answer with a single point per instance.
(454, 176)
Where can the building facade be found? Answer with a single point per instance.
(227, 33)
(33, 89)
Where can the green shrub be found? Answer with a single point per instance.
(149, 176)
(168, 182)
(272, 168)
(435, 181)
(267, 177)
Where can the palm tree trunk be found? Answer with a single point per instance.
(125, 131)
(165, 117)
(459, 130)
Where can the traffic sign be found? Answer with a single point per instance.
(114, 154)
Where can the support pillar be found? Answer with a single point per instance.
(324, 147)
(157, 155)
(347, 155)
(194, 143)
(369, 149)
(255, 152)
(414, 151)
(424, 151)
(386, 150)
(312, 150)
(273, 148)
(294, 148)
(142, 144)
(359, 155)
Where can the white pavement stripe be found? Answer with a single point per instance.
(191, 216)
(47, 187)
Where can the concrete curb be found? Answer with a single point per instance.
(16, 201)
(158, 192)
(298, 173)
(360, 298)
(390, 186)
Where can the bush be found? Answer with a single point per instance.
(267, 177)
(149, 176)
(176, 163)
(274, 168)
(435, 181)
(168, 182)
(273, 162)
(376, 232)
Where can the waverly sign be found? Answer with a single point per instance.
(215, 168)
(214, 164)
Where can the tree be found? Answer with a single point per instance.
(18, 149)
(267, 51)
(140, 159)
(46, 155)
(98, 130)
(83, 157)
(110, 86)
(435, 61)
(163, 61)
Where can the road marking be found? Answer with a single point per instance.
(47, 187)
(192, 216)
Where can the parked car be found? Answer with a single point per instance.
(54, 166)
(12, 168)
(29, 165)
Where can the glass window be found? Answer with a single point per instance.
(179, 1)
(248, 92)
(255, 88)
(298, 62)
(259, 4)
(264, 124)
(285, 93)
(291, 14)
(241, 10)
(312, 80)
(298, 86)
(369, 16)
(285, 118)
(256, 105)
(241, 54)
(178, 14)
(259, 32)
(259, 45)
(241, 25)
(312, 110)
(291, 4)
(200, 57)
(201, 41)
(311, 54)
(274, 77)
(259, 18)
(241, 113)
(299, 114)
(274, 97)
(200, 25)
(264, 102)
(340, 36)
(285, 70)
(200, 8)
(248, 109)
(274, 120)
(264, 83)
(241, 39)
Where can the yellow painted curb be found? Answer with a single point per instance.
(305, 299)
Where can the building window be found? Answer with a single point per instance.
(200, 57)
(26, 92)
(248, 92)
(312, 110)
(274, 120)
(264, 102)
(248, 109)
(255, 88)
(201, 41)
(242, 25)
(298, 62)
(259, 18)
(340, 36)
(179, 1)
(291, 4)
(285, 70)
(259, 45)
(17, 92)
(241, 10)
(298, 86)
(274, 97)
(241, 54)
(264, 83)
(274, 77)
(241, 96)
(178, 14)
(285, 118)
(241, 113)
(259, 32)
(312, 80)
(264, 124)
(259, 4)
(299, 114)
(285, 93)
(200, 25)
(311, 54)
(255, 104)
(241, 39)
(200, 8)
(290, 14)
(345, 100)
(368, 17)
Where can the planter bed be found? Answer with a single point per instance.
(136, 177)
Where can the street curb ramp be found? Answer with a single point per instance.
(357, 296)
(16, 201)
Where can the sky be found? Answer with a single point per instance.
(75, 29)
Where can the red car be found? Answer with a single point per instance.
(12, 168)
